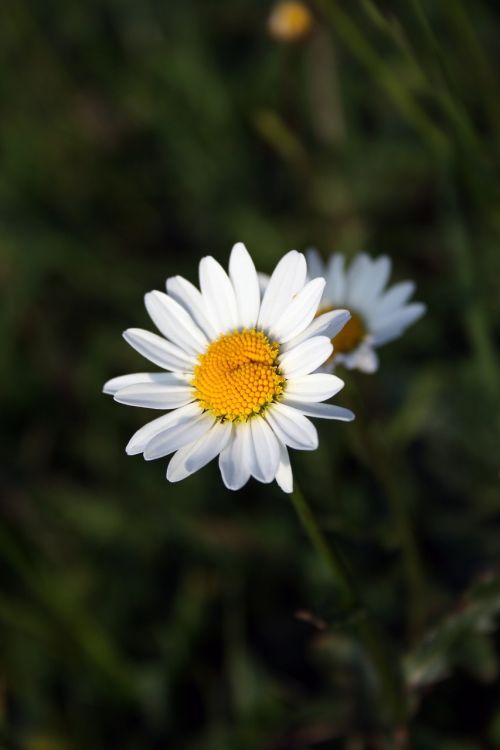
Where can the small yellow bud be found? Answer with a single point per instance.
(290, 21)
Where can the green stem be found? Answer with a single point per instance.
(387, 466)
(331, 557)
(362, 623)
(383, 74)
(384, 465)
(475, 320)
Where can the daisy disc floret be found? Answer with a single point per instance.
(379, 313)
(238, 375)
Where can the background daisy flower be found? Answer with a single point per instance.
(290, 21)
(378, 314)
(239, 378)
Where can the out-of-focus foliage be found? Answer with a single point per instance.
(134, 138)
(463, 638)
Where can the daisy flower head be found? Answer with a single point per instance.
(238, 376)
(379, 313)
(290, 21)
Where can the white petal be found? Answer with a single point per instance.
(292, 428)
(218, 294)
(387, 333)
(187, 295)
(404, 316)
(176, 418)
(300, 312)
(334, 325)
(394, 297)
(335, 289)
(368, 360)
(235, 459)
(263, 279)
(364, 358)
(194, 456)
(378, 278)
(156, 396)
(315, 265)
(323, 411)
(284, 476)
(306, 357)
(329, 324)
(158, 350)
(316, 387)
(359, 279)
(246, 285)
(266, 451)
(287, 279)
(175, 323)
(329, 365)
(358, 265)
(115, 384)
(173, 438)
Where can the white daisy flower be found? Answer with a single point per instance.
(378, 314)
(240, 380)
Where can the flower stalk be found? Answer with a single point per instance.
(387, 467)
(355, 612)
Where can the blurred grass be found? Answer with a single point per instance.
(134, 139)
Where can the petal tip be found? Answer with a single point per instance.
(239, 247)
(286, 485)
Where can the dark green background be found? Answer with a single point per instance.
(135, 137)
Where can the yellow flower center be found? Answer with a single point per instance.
(238, 375)
(290, 20)
(351, 335)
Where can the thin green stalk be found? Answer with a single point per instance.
(70, 615)
(387, 466)
(445, 92)
(333, 560)
(475, 321)
(362, 622)
(384, 75)
(474, 57)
